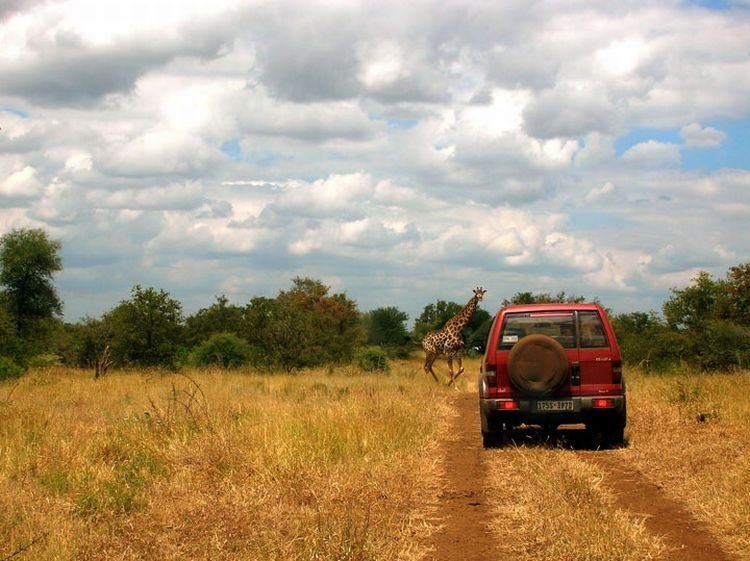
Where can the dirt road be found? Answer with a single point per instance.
(465, 512)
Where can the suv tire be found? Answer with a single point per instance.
(537, 365)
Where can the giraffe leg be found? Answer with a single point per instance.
(429, 360)
(460, 370)
(450, 370)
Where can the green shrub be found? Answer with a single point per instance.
(372, 359)
(9, 369)
(45, 360)
(226, 350)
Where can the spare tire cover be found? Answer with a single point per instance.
(537, 365)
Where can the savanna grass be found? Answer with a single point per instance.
(325, 464)
(551, 505)
(690, 432)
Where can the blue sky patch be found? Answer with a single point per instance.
(711, 4)
(20, 112)
(595, 220)
(232, 149)
(731, 153)
(396, 123)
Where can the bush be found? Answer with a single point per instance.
(9, 369)
(223, 349)
(44, 360)
(372, 359)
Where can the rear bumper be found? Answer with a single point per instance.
(529, 412)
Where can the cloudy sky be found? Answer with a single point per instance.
(399, 151)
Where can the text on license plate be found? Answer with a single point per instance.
(564, 405)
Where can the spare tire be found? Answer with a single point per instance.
(537, 365)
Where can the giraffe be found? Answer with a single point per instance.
(447, 341)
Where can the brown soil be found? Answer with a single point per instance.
(463, 510)
(686, 537)
(465, 514)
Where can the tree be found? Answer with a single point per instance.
(146, 329)
(280, 336)
(220, 317)
(543, 298)
(736, 298)
(691, 307)
(334, 320)
(434, 316)
(225, 350)
(10, 345)
(28, 261)
(385, 327)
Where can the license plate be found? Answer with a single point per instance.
(565, 405)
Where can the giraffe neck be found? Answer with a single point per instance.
(463, 317)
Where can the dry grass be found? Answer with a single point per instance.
(334, 465)
(690, 432)
(321, 465)
(551, 505)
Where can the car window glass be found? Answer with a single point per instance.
(592, 330)
(558, 325)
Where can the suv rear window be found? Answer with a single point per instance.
(561, 326)
(592, 330)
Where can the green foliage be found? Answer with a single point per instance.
(372, 359)
(691, 307)
(735, 301)
(44, 360)
(9, 369)
(10, 344)
(88, 339)
(279, 335)
(330, 329)
(543, 298)
(478, 337)
(226, 350)
(645, 340)
(146, 329)
(385, 328)
(28, 261)
(434, 316)
(704, 326)
(220, 317)
(720, 345)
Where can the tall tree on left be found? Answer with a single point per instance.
(28, 261)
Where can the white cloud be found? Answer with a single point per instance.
(694, 135)
(403, 151)
(622, 56)
(606, 191)
(21, 184)
(652, 153)
(159, 152)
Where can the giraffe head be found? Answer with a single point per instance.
(479, 293)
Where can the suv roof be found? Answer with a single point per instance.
(556, 306)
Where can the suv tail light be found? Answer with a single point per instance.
(508, 405)
(491, 377)
(602, 403)
(616, 372)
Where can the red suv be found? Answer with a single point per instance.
(549, 365)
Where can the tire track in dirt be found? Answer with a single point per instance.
(463, 508)
(685, 536)
(465, 512)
